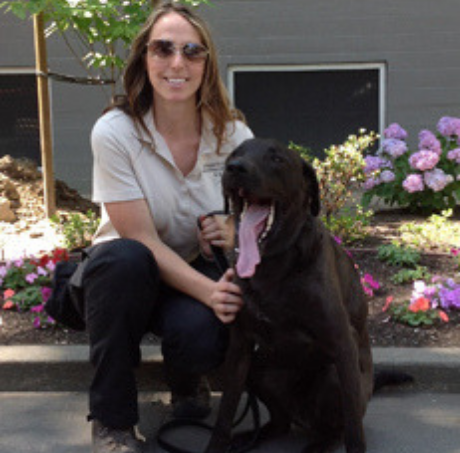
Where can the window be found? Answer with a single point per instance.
(314, 106)
(19, 129)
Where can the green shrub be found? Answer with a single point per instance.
(410, 275)
(397, 255)
(77, 229)
(339, 173)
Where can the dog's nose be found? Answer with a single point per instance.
(236, 166)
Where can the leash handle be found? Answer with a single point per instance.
(174, 425)
(217, 252)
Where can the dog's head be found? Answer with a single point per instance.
(272, 192)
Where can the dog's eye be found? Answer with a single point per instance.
(276, 158)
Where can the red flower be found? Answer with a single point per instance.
(44, 260)
(60, 255)
(8, 293)
(388, 302)
(9, 305)
(443, 316)
(420, 304)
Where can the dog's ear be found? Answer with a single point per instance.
(309, 175)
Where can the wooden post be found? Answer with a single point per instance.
(44, 115)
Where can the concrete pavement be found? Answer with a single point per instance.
(43, 403)
(396, 422)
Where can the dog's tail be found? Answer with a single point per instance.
(386, 377)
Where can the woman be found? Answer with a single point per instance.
(159, 152)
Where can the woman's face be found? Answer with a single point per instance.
(175, 78)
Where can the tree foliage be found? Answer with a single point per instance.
(97, 32)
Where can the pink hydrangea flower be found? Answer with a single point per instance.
(449, 126)
(413, 183)
(394, 130)
(427, 140)
(394, 147)
(454, 154)
(424, 160)
(437, 180)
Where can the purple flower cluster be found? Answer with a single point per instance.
(449, 126)
(394, 147)
(377, 171)
(413, 183)
(374, 163)
(454, 154)
(437, 180)
(423, 160)
(430, 166)
(394, 130)
(442, 292)
(428, 141)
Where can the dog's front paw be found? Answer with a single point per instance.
(217, 446)
(358, 447)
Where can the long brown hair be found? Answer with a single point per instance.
(212, 97)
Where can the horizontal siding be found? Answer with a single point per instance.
(418, 40)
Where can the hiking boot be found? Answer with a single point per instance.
(195, 405)
(111, 440)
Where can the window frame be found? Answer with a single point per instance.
(31, 71)
(381, 68)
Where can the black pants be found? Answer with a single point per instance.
(124, 298)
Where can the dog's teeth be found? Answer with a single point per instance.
(245, 208)
(268, 227)
(271, 217)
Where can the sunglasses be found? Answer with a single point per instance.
(164, 49)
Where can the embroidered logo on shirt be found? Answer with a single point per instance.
(216, 168)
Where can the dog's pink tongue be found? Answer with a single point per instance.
(252, 224)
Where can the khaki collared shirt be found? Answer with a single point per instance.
(131, 165)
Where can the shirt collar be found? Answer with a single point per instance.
(208, 141)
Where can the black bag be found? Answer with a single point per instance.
(62, 304)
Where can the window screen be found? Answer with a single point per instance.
(19, 130)
(314, 108)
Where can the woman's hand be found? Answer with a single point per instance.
(216, 230)
(226, 299)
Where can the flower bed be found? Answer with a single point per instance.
(26, 285)
(425, 180)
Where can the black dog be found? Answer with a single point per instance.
(301, 342)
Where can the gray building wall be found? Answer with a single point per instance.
(416, 39)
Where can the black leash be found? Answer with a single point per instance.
(175, 425)
(217, 252)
